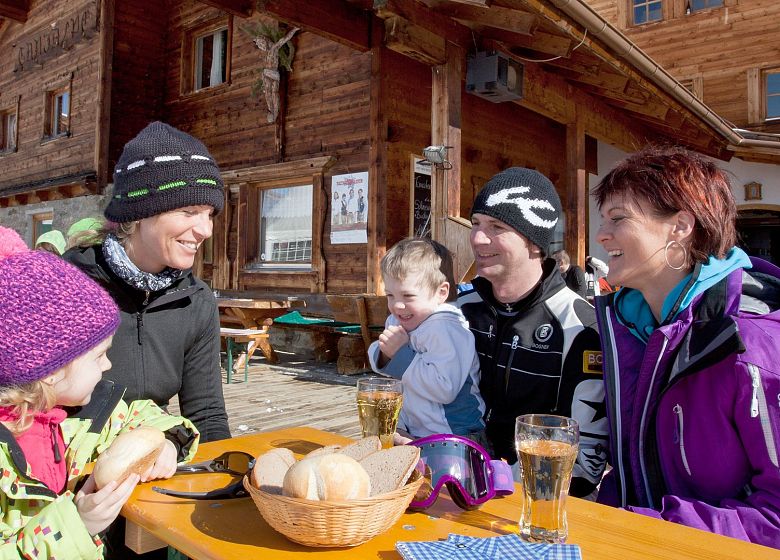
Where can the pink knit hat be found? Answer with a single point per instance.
(50, 312)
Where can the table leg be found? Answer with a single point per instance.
(229, 344)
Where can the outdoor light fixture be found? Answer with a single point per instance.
(437, 155)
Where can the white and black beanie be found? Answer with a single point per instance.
(525, 200)
(160, 170)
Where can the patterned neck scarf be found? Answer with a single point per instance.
(120, 263)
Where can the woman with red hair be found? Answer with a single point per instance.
(690, 352)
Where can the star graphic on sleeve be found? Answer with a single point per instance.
(599, 407)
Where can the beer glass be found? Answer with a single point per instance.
(379, 401)
(546, 448)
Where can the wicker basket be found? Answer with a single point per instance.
(334, 524)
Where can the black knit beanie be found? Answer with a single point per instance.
(162, 169)
(523, 199)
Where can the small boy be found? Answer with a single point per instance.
(427, 344)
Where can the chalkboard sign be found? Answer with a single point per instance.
(420, 198)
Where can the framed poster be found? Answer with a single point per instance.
(420, 197)
(349, 208)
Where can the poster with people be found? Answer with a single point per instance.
(349, 208)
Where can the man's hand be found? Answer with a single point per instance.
(98, 509)
(391, 340)
(164, 466)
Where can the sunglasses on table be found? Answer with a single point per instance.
(235, 463)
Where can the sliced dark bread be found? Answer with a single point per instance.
(389, 469)
(361, 448)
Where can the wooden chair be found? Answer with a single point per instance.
(248, 340)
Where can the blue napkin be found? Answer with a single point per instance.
(505, 547)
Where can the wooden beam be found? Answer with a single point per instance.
(15, 9)
(377, 166)
(547, 94)
(102, 126)
(334, 19)
(495, 16)
(576, 193)
(435, 22)
(414, 41)
(446, 131)
(276, 172)
(240, 8)
(540, 42)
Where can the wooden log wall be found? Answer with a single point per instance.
(58, 45)
(138, 78)
(327, 113)
(719, 45)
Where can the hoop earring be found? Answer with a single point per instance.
(666, 255)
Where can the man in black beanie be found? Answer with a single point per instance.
(537, 342)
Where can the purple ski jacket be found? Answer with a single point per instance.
(694, 414)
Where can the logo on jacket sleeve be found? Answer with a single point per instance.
(592, 362)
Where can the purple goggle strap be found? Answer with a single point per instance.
(503, 482)
(499, 480)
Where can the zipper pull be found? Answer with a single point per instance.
(55, 447)
(677, 410)
(146, 299)
(515, 340)
(490, 335)
(139, 321)
(756, 382)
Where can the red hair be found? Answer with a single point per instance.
(672, 179)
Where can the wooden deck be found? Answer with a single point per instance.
(290, 394)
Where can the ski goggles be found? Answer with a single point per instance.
(464, 467)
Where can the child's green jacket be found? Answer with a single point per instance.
(36, 522)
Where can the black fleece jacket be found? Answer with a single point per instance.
(167, 343)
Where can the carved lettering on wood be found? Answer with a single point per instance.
(50, 40)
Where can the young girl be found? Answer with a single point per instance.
(56, 412)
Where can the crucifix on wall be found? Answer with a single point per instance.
(270, 68)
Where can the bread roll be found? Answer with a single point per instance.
(131, 452)
(333, 478)
(270, 468)
(323, 451)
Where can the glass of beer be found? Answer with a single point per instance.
(546, 447)
(379, 401)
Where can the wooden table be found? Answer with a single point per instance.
(234, 528)
(254, 314)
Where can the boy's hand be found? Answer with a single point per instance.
(392, 339)
(164, 466)
(98, 509)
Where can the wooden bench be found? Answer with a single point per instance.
(251, 339)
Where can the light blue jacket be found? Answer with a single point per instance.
(439, 370)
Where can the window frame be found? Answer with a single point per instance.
(7, 147)
(705, 8)
(765, 95)
(646, 4)
(37, 218)
(189, 47)
(248, 182)
(257, 262)
(49, 118)
(694, 84)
